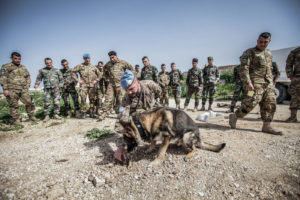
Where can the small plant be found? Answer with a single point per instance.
(5, 128)
(95, 133)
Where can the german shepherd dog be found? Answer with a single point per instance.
(165, 125)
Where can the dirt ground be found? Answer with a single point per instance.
(55, 162)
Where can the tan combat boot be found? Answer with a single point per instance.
(47, 118)
(195, 109)
(32, 118)
(56, 116)
(178, 106)
(232, 120)
(293, 117)
(268, 129)
(69, 114)
(77, 114)
(102, 116)
(185, 108)
(210, 108)
(17, 122)
(202, 108)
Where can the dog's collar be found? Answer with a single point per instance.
(139, 127)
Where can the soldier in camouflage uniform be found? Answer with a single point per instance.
(164, 82)
(89, 76)
(15, 81)
(101, 88)
(53, 80)
(176, 79)
(238, 88)
(69, 88)
(194, 84)
(257, 78)
(112, 72)
(275, 72)
(293, 73)
(149, 72)
(211, 77)
(137, 72)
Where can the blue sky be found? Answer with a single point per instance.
(165, 31)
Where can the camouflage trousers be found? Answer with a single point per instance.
(99, 101)
(114, 94)
(24, 97)
(264, 95)
(208, 90)
(294, 91)
(176, 91)
(66, 97)
(190, 92)
(51, 93)
(164, 98)
(91, 93)
(238, 89)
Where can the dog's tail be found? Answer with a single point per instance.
(210, 147)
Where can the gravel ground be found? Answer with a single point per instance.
(58, 162)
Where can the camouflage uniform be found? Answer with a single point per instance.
(113, 73)
(256, 69)
(16, 79)
(69, 89)
(149, 73)
(101, 88)
(238, 87)
(137, 75)
(293, 70)
(210, 76)
(194, 81)
(175, 79)
(88, 73)
(53, 80)
(275, 71)
(164, 81)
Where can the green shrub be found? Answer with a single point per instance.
(227, 76)
(95, 133)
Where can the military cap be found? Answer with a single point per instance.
(112, 53)
(86, 55)
(195, 60)
(127, 79)
(210, 58)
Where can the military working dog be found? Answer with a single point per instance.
(167, 125)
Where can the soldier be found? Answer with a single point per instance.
(149, 72)
(211, 77)
(256, 75)
(15, 81)
(164, 81)
(89, 76)
(69, 88)
(176, 80)
(293, 73)
(238, 88)
(53, 80)
(275, 72)
(137, 72)
(101, 88)
(112, 72)
(194, 84)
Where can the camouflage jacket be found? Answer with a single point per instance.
(102, 84)
(236, 75)
(88, 73)
(14, 77)
(137, 75)
(164, 80)
(275, 71)
(194, 78)
(52, 78)
(256, 66)
(113, 71)
(293, 63)
(149, 73)
(69, 81)
(144, 100)
(175, 78)
(210, 74)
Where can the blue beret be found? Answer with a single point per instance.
(127, 79)
(86, 55)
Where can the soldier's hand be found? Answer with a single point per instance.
(6, 93)
(94, 82)
(36, 87)
(81, 81)
(291, 77)
(250, 87)
(200, 88)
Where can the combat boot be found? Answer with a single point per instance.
(178, 106)
(231, 110)
(210, 108)
(32, 118)
(202, 108)
(77, 114)
(102, 117)
(232, 120)
(185, 108)
(69, 114)
(268, 129)
(17, 122)
(56, 116)
(195, 109)
(92, 115)
(293, 117)
(83, 115)
(47, 118)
